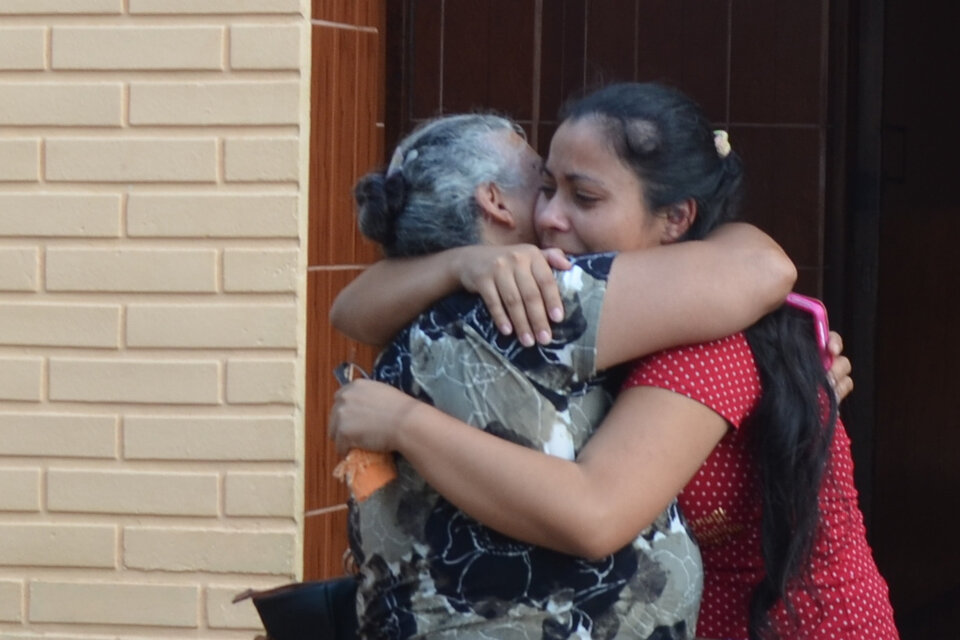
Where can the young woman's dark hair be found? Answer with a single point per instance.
(665, 138)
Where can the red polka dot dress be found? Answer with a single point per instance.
(849, 599)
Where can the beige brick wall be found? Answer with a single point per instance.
(153, 197)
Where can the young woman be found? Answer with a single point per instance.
(746, 426)
(427, 569)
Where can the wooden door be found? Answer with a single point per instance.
(916, 496)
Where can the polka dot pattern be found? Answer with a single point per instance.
(846, 598)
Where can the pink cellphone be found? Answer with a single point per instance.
(819, 312)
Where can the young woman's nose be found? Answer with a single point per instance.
(550, 215)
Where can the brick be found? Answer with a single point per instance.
(131, 160)
(261, 159)
(135, 270)
(39, 7)
(214, 6)
(214, 103)
(59, 325)
(125, 492)
(260, 494)
(19, 159)
(254, 326)
(58, 545)
(263, 46)
(213, 216)
(18, 271)
(11, 601)
(264, 438)
(22, 48)
(21, 490)
(260, 270)
(60, 215)
(217, 551)
(134, 381)
(21, 378)
(252, 381)
(222, 613)
(101, 603)
(63, 435)
(148, 48)
(61, 104)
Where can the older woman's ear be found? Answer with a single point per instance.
(678, 219)
(490, 199)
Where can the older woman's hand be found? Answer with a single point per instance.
(366, 415)
(516, 282)
(841, 368)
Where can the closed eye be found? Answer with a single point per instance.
(586, 199)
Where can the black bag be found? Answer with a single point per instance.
(318, 610)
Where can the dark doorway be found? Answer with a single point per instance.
(903, 282)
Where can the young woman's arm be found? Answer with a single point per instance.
(690, 292)
(516, 283)
(650, 445)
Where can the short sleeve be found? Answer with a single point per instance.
(721, 375)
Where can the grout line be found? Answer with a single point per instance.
(48, 49)
(226, 39)
(774, 125)
(443, 29)
(325, 510)
(221, 162)
(729, 62)
(336, 267)
(586, 19)
(125, 105)
(342, 25)
(636, 40)
(537, 72)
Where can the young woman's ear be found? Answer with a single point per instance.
(490, 198)
(679, 219)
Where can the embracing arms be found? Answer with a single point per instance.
(647, 449)
(649, 446)
(389, 294)
(686, 292)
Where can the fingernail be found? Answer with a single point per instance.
(544, 337)
(556, 314)
(506, 328)
(527, 340)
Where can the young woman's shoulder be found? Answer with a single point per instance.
(720, 374)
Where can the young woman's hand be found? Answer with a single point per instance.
(841, 368)
(516, 282)
(366, 415)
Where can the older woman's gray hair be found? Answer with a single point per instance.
(424, 202)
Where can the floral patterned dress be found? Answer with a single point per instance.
(430, 571)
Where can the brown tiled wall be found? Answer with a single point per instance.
(346, 141)
(758, 67)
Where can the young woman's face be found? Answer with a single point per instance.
(590, 200)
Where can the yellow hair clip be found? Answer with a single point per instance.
(721, 139)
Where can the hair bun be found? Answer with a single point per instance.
(379, 200)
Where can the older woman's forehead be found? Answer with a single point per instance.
(515, 140)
